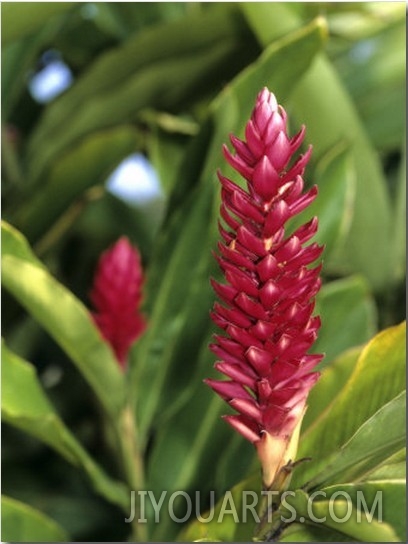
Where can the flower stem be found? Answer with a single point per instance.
(133, 465)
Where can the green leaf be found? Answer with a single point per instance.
(367, 447)
(378, 377)
(400, 218)
(167, 145)
(19, 19)
(379, 89)
(17, 59)
(333, 379)
(388, 495)
(366, 248)
(64, 317)
(298, 532)
(23, 523)
(13, 242)
(31, 411)
(344, 301)
(336, 181)
(155, 350)
(393, 468)
(333, 206)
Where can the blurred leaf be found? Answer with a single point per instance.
(64, 318)
(363, 20)
(160, 67)
(400, 219)
(344, 301)
(334, 377)
(21, 18)
(23, 523)
(368, 447)
(31, 411)
(123, 18)
(321, 102)
(236, 458)
(167, 144)
(108, 218)
(393, 468)
(17, 58)
(184, 274)
(83, 166)
(373, 71)
(391, 499)
(298, 532)
(14, 242)
(334, 176)
(377, 378)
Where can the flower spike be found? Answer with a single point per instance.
(268, 298)
(116, 296)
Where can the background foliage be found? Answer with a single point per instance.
(171, 81)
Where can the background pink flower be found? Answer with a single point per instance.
(116, 296)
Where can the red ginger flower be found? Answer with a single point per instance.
(116, 295)
(268, 299)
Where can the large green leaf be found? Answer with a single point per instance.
(321, 102)
(23, 523)
(379, 89)
(17, 59)
(367, 447)
(64, 318)
(400, 218)
(377, 378)
(344, 301)
(333, 206)
(184, 285)
(25, 406)
(335, 177)
(167, 144)
(330, 384)
(390, 494)
(303, 532)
